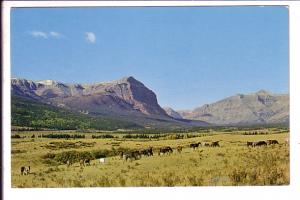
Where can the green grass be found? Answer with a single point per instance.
(231, 164)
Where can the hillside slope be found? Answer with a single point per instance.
(261, 107)
(30, 113)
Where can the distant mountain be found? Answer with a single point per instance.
(172, 113)
(124, 99)
(130, 100)
(261, 107)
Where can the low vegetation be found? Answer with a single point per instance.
(55, 162)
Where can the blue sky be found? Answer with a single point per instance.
(188, 56)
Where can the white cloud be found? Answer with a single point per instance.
(40, 34)
(90, 37)
(55, 34)
(45, 35)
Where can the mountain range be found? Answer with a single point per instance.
(262, 107)
(125, 99)
(130, 100)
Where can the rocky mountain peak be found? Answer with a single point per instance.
(263, 92)
(47, 82)
(128, 79)
(126, 94)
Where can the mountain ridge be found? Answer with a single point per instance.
(126, 91)
(130, 98)
(125, 99)
(261, 107)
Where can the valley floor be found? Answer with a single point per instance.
(233, 163)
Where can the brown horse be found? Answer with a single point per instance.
(164, 150)
(272, 142)
(179, 149)
(215, 144)
(195, 145)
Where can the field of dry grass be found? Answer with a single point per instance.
(233, 163)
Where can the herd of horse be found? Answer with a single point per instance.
(262, 143)
(137, 154)
(166, 150)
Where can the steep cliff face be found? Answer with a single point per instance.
(258, 108)
(125, 95)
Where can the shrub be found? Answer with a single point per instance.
(16, 136)
(62, 136)
(102, 136)
(63, 157)
(48, 156)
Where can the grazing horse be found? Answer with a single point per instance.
(272, 142)
(206, 144)
(132, 155)
(164, 150)
(147, 152)
(259, 143)
(215, 144)
(195, 145)
(250, 144)
(179, 149)
(25, 170)
(127, 156)
(150, 151)
(136, 154)
(102, 160)
(87, 161)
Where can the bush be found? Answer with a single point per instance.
(62, 136)
(66, 156)
(16, 136)
(75, 156)
(102, 136)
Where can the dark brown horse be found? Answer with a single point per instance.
(250, 144)
(164, 150)
(272, 142)
(215, 144)
(195, 145)
(259, 143)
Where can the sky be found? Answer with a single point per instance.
(188, 56)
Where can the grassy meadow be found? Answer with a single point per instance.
(233, 163)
